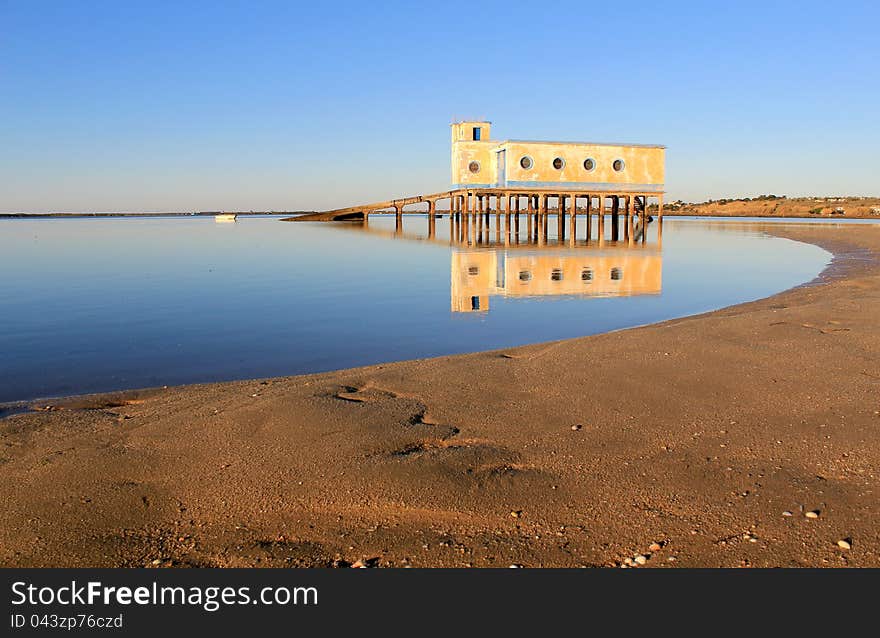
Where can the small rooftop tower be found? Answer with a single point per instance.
(472, 162)
(472, 131)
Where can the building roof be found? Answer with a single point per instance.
(578, 143)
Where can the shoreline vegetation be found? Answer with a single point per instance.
(771, 206)
(747, 436)
(778, 206)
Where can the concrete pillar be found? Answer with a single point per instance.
(660, 206)
(615, 217)
(589, 210)
(560, 219)
(601, 214)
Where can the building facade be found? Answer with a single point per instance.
(480, 162)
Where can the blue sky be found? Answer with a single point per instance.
(286, 105)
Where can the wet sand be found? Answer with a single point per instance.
(697, 435)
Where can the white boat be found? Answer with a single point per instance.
(225, 217)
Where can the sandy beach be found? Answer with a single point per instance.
(749, 436)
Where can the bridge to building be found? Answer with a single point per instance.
(471, 208)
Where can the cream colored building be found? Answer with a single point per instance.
(480, 162)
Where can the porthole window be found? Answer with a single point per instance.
(525, 275)
(618, 165)
(556, 275)
(587, 274)
(473, 270)
(589, 164)
(474, 167)
(526, 162)
(616, 274)
(558, 163)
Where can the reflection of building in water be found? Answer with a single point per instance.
(480, 274)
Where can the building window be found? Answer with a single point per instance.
(587, 275)
(618, 165)
(616, 274)
(558, 163)
(477, 132)
(556, 275)
(474, 167)
(473, 270)
(589, 164)
(475, 303)
(525, 275)
(526, 162)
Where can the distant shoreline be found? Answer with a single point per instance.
(763, 207)
(867, 216)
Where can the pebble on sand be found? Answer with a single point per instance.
(812, 514)
(576, 427)
(655, 547)
(786, 513)
(844, 543)
(640, 560)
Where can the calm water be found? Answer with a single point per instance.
(91, 305)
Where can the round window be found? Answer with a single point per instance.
(558, 163)
(618, 165)
(473, 270)
(474, 167)
(525, 275)
(556, 275)
(616, 274)
(526, 162)
(587, 274)
(589, 164)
